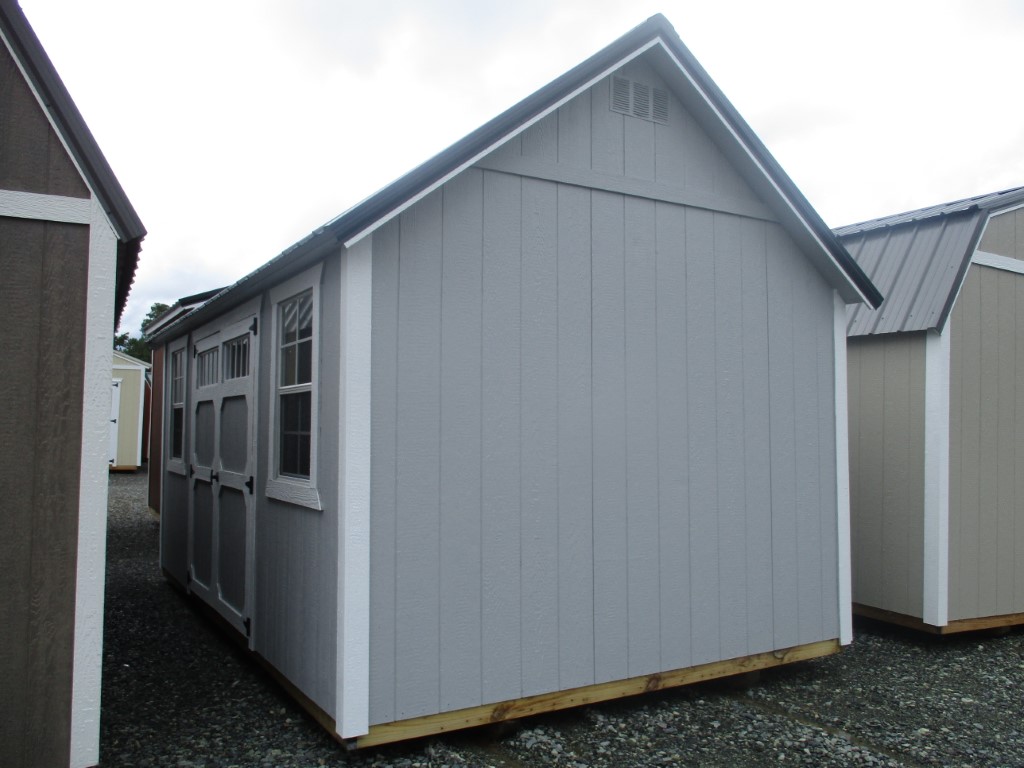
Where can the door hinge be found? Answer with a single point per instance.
(195, 351)
(248, 626)
(191, 470)
(249, 484)
(117, 383)
(255, 325)
(214, 476)
(113, 421)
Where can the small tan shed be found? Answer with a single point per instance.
(128, 384)
(936, 394)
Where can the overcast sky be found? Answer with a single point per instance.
(239, 126)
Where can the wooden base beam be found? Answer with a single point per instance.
(445, 722)
(952, 628)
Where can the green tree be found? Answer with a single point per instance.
(136, 345)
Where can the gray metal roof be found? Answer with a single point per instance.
(918, 260)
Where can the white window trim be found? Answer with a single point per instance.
(294, 490)
(177, 465)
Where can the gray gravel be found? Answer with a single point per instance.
(177, 693)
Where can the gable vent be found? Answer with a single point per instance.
(620, 95)
(630, 97)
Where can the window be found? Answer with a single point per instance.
(295, 341)
(295, 384)
(236, 358)
(177, 404)
(206, 368)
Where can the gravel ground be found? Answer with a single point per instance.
(177, 693)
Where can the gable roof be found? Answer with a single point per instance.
(919, 259)
(690, 83)
(80, 142)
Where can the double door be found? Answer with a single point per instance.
(222, 462)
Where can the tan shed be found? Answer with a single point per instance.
(936, 393)
(128, 384)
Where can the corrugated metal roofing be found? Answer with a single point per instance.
(400, 193)
(918, 260)
(69, 121)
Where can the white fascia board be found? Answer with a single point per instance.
(936, 479)
(842, 427)
(497, 144)
(352, 688)
(994, 260)
(92, 494)
(764, 172)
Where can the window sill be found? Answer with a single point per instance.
(294, 492)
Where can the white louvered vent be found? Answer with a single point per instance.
(620, 95)
(630, 97)
(660, 114)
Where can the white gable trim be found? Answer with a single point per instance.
(764, 172)
(352, 689)
(508, 137)
(936, 479)
(92, 494)
(842, 471)
(994, 260)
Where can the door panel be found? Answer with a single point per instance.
(222, 470)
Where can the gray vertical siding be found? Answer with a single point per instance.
(986, 564)
(886, 401)
(603, 431)
(1004, 235)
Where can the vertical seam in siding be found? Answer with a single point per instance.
(657, 431)
(394, 479)
(442, 192)
(771, 472)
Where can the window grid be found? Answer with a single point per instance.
(236, 358)
(295, 396)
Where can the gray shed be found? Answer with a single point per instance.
(557, 417)
(937, 416)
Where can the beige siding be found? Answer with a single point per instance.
(987, 446)
(1004, 235)
(886, 401)
(128, 417)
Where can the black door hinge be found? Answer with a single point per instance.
(254, 327)
(248, 626)
(195, 351)
(249, 484)
(117, 383)
(191, 470)
(214, 476)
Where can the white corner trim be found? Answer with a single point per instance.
(29, 205)
(936, 479)
(142, 416)
(842, 471)
(353, 654)
(996, 261)
(92, 494)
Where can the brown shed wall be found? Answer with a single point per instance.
(43, 311)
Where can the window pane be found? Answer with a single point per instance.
(177, 432)
(236, 358)
(289, 321)
(288, 364)
(305, 362)
(305, 319)
(296, 418)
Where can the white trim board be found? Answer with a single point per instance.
(378, 223)
(994, 260)
(845, 571)
(936, 479)
(92, 494)
(352, 690)
(56, 208)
